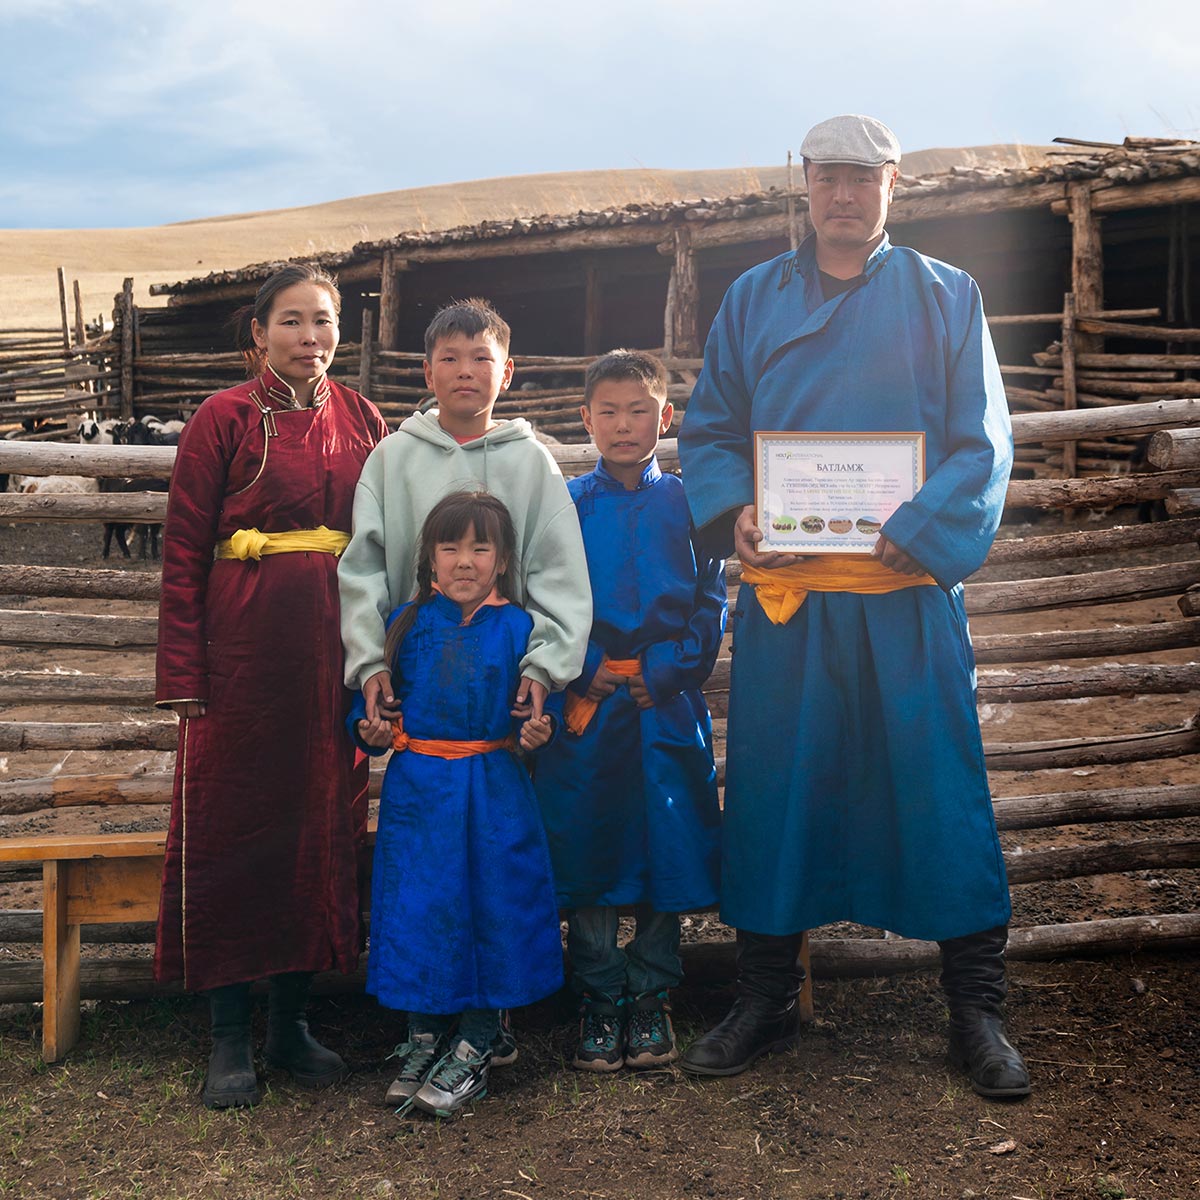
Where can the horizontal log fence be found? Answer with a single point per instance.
(1051, 666)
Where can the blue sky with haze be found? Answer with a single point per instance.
(141, 112)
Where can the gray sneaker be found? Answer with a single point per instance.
(460, 1077)
(418, 1058)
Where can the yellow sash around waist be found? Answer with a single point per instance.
(781, 590)
(253, 543)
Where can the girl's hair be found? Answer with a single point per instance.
(264, 301)
(450, 519)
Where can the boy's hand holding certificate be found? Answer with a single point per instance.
(830, 493)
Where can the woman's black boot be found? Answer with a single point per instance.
(290, 1046)
(764, 1017)
(230, 1082)
(975, 983)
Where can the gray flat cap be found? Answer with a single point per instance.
(851, 139)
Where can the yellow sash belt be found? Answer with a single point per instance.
(781, 590)
(253, 543)
(578, 711)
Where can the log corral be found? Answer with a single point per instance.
(1068, 624)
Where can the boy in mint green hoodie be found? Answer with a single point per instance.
(455, 447)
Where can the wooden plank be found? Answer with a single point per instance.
(127, 507)
(60, 966)
(106, 890)
(128, 317)
(1174, 449)
(94, 462)
(93, 632)
(1074, 683)
(52, 687)
(1058, 644)
(100, 735)
(56, 847)
(1152, 333)
(1092, 587)
(1087, 807)
(1091, 541)
(1070, 753)
(1087, 261)
(1119, 421)
(1105, 492)
(81, 582)
(1113, 197)
(1104, 858)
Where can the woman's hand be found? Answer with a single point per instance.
(536, 732)
(377, 733)
(189, 708)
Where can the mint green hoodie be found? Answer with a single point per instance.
(403, 478)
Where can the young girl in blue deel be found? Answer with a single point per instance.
(463, 916)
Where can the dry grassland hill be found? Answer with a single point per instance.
(101, 258)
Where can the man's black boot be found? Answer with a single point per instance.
(230, 1082)
(764, 1017)
(290, 1046)
(975, 983)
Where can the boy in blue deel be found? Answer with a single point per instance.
(628, 790)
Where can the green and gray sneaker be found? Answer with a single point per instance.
(460, 1077)
(418, 1056)
(601, 1034)
(650, 1040)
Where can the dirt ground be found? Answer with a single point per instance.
(867, 1107)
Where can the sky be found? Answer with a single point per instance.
(143, 112)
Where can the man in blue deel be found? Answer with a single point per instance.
(856, 787)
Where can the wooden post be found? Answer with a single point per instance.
(127, 350)
(683, 299)
(389, 303)
(804, 1003)
(80, 333)
(62, 308)
(60, 965)
(1070, 399)
(1087, 261)
(368, 353)
(592, 308)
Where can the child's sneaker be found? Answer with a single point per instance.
(650, 1040)
(601, 1034)
(504, 1044)
(418, 1056)
(460, 1077)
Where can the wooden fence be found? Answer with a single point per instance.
(1049, 669)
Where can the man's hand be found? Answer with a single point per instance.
(189, 708)
(536, 732)
(896, 559)
(639, 691)
(747, 535)
(381, 703)
(531, 698)
(376, 733)
(603, 684)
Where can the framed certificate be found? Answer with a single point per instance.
(830, 493)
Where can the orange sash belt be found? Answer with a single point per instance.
(578, 711)
(781, 590)
(442, 748)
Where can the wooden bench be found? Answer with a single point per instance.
(97, 879)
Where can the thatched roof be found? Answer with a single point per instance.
(1139, 160)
